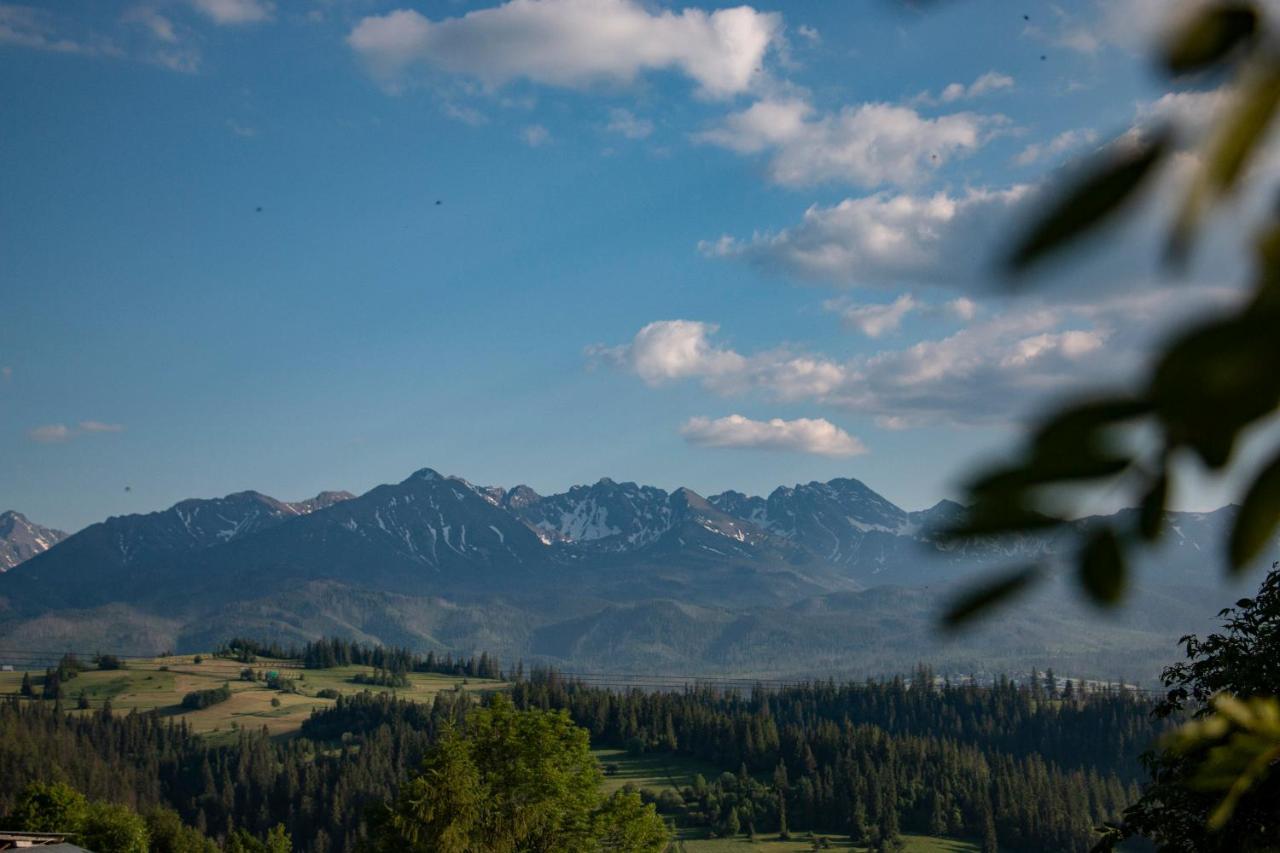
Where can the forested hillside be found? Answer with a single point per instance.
(1032, 767)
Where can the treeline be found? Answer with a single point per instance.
(1024, 766)
(108, 827)
(336, 651)
(321, 792)
(199, 699)
(53, 685)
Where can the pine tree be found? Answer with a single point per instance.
(732, 824)
(990, 844)
(781, 785)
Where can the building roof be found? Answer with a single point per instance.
(45, 842)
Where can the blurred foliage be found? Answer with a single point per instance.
(1202, 392)
(1212, 787)
(1241, 739)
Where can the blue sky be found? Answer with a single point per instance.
(546, 241)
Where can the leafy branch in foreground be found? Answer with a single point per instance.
(1212, 788)
(1241, 742)
(1202, 392)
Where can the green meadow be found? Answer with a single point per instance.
(160, 683)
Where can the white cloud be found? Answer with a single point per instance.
(242, 130)
(160, 27)
(1080, 40)
(99, 426)
(873, 320)
(1193, 110)
(535, 135)
(1066, 141)
(963, 308)
(624, 122)
(868, 145)
(58, 433)
(50, 433)
(235, 11)
(809, 34)
(885, 239)
(674, 349)
(575, 43)
(992, 371)
(992, 81)
(876, 319)
(805, 435)
(23, 26)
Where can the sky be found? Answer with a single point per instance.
(324, 243)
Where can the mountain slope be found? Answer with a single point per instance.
(106, 561)
(610, 575)
(21, 539)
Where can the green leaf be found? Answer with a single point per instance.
(1209, 36)
(1217, 379)
(997, 518)
(1102, 567)
(1235, 139)
(1112, 180)
(1238, 745)
(1255, 523)
(1151, 510)
(974, 602)
(1044, 470)
(1081, 425)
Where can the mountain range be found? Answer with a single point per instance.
(812, 578)
(21, 539)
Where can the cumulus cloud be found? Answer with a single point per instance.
(992, 81)
(1194, 110)
(990, 371)
(894, 239)
(535, 135)
(868, 145)
(235, 11)
(885, 239)
(627, 124)
(671, 350)
(674, 349)
(1068, 140)
(575, 43)
(58, 433)
(804, 435)
(874, 320)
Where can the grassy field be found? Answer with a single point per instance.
(658, 771)
(160, 684)
(653, 770)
